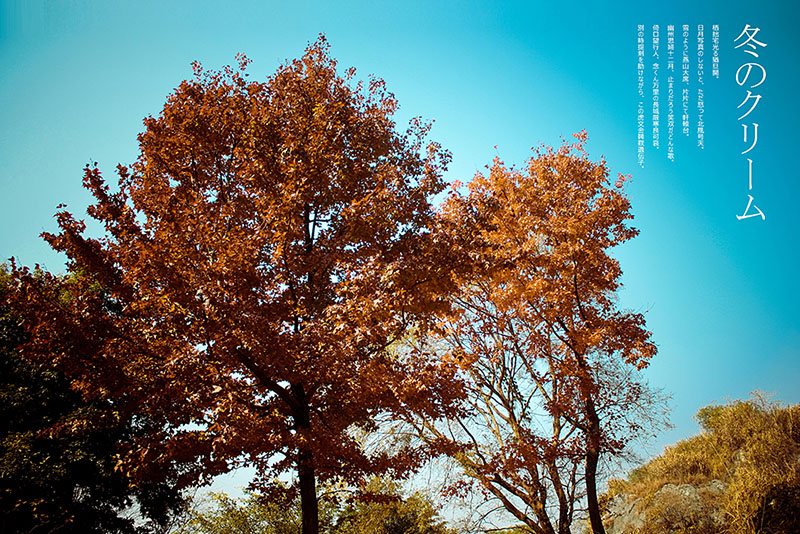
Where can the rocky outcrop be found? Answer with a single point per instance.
(670, 509)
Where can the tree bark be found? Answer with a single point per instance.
(592, 457)
(306, 474)
(308, 492)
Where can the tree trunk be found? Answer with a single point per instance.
(592, 457)
(306, 474)
(592, 454)
(308, 492)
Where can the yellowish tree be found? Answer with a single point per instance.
(549, 359)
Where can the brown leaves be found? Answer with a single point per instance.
(265, 252)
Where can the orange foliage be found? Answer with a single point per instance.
(549, 359)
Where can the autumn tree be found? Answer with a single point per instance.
(264, 252)
(549, 360)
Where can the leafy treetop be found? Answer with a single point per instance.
(267, 248)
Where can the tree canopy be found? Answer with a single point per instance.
(269, 245)
(272, 251)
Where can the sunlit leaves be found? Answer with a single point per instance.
(548, 357)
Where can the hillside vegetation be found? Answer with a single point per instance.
(741, 474)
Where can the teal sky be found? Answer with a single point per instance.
(721, 295)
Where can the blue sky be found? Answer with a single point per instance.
(78, 77)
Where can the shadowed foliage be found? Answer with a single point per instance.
(59, 452)
(383, 511)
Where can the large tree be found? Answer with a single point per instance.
(550, 360)
(264, 252)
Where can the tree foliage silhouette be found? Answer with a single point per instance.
(59, 452)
